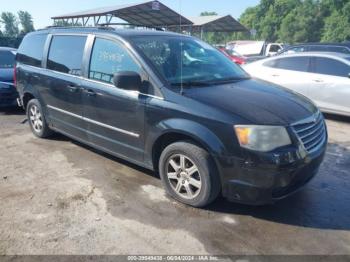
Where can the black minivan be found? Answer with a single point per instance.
(174, 104)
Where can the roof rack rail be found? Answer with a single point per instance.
(108, 25)
(63, 27)
(105, 26)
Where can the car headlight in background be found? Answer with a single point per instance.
(262, 138)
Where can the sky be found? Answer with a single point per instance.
(43, 10)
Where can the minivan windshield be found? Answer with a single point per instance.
(187, 61)
(7, 59)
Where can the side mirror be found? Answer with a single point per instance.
(349, 75)
(128, 80)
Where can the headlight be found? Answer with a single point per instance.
(262, 138)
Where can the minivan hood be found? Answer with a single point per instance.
(257, 101)
(6, 74)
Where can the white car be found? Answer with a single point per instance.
(322, 77)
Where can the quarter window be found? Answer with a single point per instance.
(328, 66)
(108, 58)
(66, 54)
(32, 49)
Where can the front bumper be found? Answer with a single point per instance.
(260, 182)
(8, 95)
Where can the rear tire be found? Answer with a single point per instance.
(36, 119)
(189, 174)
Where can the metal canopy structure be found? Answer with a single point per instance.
(146, 14)
(215, 23)
(152, 14)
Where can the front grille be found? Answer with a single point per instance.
(311, 132)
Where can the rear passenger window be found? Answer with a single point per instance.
(31, 50)
(108, 58)
(300, 63)
(66, 54)
(328, 66)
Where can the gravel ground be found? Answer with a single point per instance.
(60, 197)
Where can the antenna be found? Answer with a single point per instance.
(181, 48)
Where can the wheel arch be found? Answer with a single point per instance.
(184, 130)
(28, 93)
(27, 96)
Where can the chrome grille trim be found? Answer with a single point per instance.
(318, 128)
(311, 132)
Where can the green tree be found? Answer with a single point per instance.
(10, 23)
(328, 6)
(266, 18)
(250, 19)
(337, 25)
(212, 37)
(303, 24)
(26, 21)
(299, 20)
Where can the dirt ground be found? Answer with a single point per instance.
(60, 197)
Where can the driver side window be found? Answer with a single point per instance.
(108, 58)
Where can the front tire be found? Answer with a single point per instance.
(189, 174)
(36, 119)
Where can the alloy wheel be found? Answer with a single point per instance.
(36, 119)
(184, 176)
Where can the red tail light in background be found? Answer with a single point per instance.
(240, 61)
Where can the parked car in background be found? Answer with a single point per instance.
(8, 92)
(234, 56)
(258, 49)
(317, 47)
(322, 77)
(175, 104)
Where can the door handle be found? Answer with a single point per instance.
(73, 88)
(318, 80)
(275, 75)
(90, 92)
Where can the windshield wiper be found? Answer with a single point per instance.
(191, 83)
(209, 82)
(227, 80)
